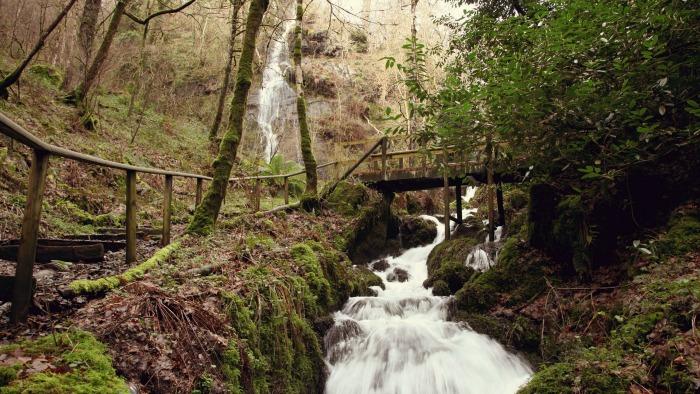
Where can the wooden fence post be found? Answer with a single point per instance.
(22, 292)
(198, 192)
(286, 190)
(130, 216)
(167, 209)
(446, 194)
(499, 204)
(458, 199)
(257, 195)
(384, 169)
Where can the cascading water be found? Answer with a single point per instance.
(275, 90)
(401, 342)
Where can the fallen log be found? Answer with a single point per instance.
(76, 253)
(121, 230)
(111, 237)
(7, 285)
(109, 246)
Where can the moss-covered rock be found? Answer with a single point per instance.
(441, 288)
(683, 234)
(47, 74)
(416, 231)
(347, 198)
(446, 263)
(516, 333)
(476, 297)
(69, 362)
(373, 232)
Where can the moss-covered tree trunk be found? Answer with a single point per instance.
(80, 93)
(13, 77)
(86, 39)
(304, 134)
(207, 212)
(227, 71)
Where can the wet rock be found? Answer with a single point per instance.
(398, 275)
(416, 231)
(323, 324)
(338, 338)
(381, 265)
(472, 227)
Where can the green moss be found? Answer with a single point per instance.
(47, 74)
(441, 288)
(305, 256)
(80, 365)
(82, 286)
(8, 373)
(361, 279)
(454, 273)
(452, 252)
(476, 297)
(683, 235)
(347, 198)
(253, 241)
(276, 345)
(552, 379)
(518, 276)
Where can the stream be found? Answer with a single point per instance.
(402, 342)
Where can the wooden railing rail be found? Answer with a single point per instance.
(41, 152)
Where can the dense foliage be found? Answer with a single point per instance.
(583, 88)
(585, 93)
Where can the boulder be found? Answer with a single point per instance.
(398, 275)
(416, 231)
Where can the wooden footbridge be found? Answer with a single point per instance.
(379, 168)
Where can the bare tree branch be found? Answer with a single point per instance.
(146, 20)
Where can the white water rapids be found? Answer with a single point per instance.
(400, 342)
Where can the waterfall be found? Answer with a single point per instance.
(275, 91)
(402, 342)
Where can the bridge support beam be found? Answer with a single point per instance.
(499, 202)
(458, 200)
(446, 195)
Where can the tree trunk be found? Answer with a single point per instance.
(13, 77)
(227, 71)
(80, 93)
(304, 134)
(86, 40)
(207, 212)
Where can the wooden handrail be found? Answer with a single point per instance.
(291, 174)
(42, 151)
(350, 170)
(16, 132)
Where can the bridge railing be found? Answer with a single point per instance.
(43, 151)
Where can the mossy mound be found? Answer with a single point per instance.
(69, 362)
(518, 276)
(416, 231)
(347, 198)
(683, 234)
(275, 313)
(446, 263)
(47, 74)
(373, 232)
